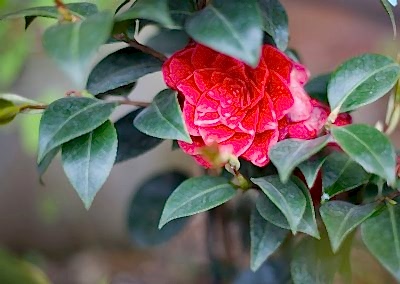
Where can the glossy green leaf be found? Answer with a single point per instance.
(361, 81)
(132, 142)
(341, 173)
(265, 239)
(121, 68)
(46, 161)
(231, 27)
(88, 160)
(8, 111)
(270, 212)
(368, 147)
(180, 10)
(146, 208)
(80, 10)
(153, 10)
(387, 5)
(163, 118)
(69, 118)
(275, 22)
(288, 197)
(310, 169)
(341, 218)
(196, 195)
(381, 235)
(317, 88)
(287, 154)
(73, 45)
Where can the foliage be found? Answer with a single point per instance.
(322, 174)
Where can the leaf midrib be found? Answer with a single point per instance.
(362, 81)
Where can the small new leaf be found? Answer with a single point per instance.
(163, 118)
(368, 147)
(8, 111)
(196, 195)
(341, 218)
(289, 153)
(88, 160)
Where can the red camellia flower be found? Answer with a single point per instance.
(242, 109)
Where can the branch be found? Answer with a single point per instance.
(29, 107)
(133, 103)
(134, 43)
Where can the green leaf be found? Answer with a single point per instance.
(180, 10)
(18, 100)
(73, 45)
(88, 160)
(230, 27)
(341, 173)
(80, 10)
(196, 195)
(313, 263)
(47, 159)
(310, 169)
(361, 81)
(341, 218)
(368, 147)
(163, 118)
(386, 4)
(121, 68)
(146, 207)
(123, 91)
(153, 10)
(8, 111)
(132, 142)
(69, 118)
(288, 197)
(381, 235)
(317, 88)
(270, 212)
(287, 154)
(265, 239)
(275, 22)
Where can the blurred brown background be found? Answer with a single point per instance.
(76, 246)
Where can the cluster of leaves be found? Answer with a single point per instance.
(91, 144)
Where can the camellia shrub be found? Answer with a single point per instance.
(282, 158)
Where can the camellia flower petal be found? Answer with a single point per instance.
(242, 110)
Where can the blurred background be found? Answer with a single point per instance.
(46, 230)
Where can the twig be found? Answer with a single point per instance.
(134, 43)
(134, 103)
(28, 107)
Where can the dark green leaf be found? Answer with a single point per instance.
(341, 173)
(230, 27)
(341, 218)
(196, 195)
(69, 118)
(73, 45)
(180, 10)
(387, 5)
(123, 91)
(265, 239)
(317, 88)
(153, 10)
(289, 153)
(288, 197)
(121, 68)
(313, 263)
(146, 207)
(132, 142)
(275, 22)
(368, 147)
(80, 10)
(163, 118)
(381, 235)
(271, 213)
(361, 81)
(88, 160)
(310, 169)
